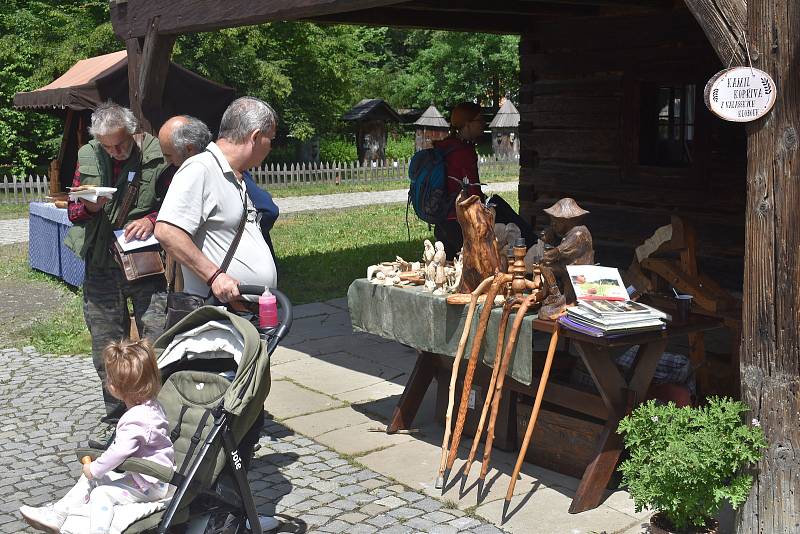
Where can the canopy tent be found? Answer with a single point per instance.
(91, 81)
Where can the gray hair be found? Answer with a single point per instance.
(109, 117)
(245, 115)
(192, 133)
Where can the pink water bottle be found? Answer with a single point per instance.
(267, 310)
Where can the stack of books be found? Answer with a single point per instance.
(603, 308)
(604, 318)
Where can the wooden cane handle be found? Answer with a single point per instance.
(86, 460)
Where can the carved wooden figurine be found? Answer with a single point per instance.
(567, 242)
(481, 257)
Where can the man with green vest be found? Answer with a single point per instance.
(114, 158)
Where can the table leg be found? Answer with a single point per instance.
(615, 392)
(414, 392)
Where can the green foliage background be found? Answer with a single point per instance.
(310, 73)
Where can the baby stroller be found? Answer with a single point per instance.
(214, 405)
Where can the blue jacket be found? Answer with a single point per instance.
(263, 202)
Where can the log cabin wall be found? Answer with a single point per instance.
(589, 110)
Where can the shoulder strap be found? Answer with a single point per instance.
(229, 255)
(132, 190)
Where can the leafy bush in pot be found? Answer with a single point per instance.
(684, 462)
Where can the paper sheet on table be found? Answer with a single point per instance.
(134, 243)
(92, 194)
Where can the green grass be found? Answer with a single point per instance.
(59, 331)
(319, 254)
(13, 211)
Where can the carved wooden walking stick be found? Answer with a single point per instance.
(537, 403)
(529, 301)
(499, 281)
(462, 343)
(498, 358)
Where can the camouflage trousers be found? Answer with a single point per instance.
(105, 308)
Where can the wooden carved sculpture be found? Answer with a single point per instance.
(537, 404)
(498, 282)
(544, 293)
(481, 257)
(462, 343)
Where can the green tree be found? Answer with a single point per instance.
(306, 71)
(39, 41)
(452, 66)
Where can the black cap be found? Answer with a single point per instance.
(520, 242)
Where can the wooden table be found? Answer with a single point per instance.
(619, 396)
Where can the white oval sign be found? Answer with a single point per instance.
(740, 94)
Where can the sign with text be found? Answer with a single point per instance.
(740, 94)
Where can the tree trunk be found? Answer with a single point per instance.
(770, 349)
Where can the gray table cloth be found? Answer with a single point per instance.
(417, 318)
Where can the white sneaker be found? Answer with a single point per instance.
(267, 523)
(43, 518)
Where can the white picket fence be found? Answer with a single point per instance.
(16, 191)
(277, 175)
(36, 188)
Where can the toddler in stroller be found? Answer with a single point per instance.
(215, 366)
(142, 432)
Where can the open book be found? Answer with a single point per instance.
(593, 282)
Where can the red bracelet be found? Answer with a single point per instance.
(214, 277)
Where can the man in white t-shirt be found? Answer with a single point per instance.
(202, 210)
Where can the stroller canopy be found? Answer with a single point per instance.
(252, 380)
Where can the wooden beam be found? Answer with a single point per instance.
(153, 73)
(132, 18)
(723, 22)
(134, 96)
(770, 353)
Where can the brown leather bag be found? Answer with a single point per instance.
(137, 264)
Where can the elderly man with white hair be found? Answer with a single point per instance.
(116, 157)
(207, 200)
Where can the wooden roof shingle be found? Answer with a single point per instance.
(507, 117)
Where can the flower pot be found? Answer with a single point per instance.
(659, 524)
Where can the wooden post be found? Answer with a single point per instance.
(148, 64)
(770, 351)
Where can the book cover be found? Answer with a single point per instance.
(594, 282)
(615, 307)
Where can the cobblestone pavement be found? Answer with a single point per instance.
(16, 230)
(48, 404)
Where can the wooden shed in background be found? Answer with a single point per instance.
(505, 131)
(431, 126)
(370, 117)
(75, 94)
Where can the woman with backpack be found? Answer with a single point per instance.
(461, 157)
(466, 127)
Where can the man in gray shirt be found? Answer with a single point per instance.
(203, 207)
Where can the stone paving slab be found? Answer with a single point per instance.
(51, 404)
(287, 399)
(335, 373)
